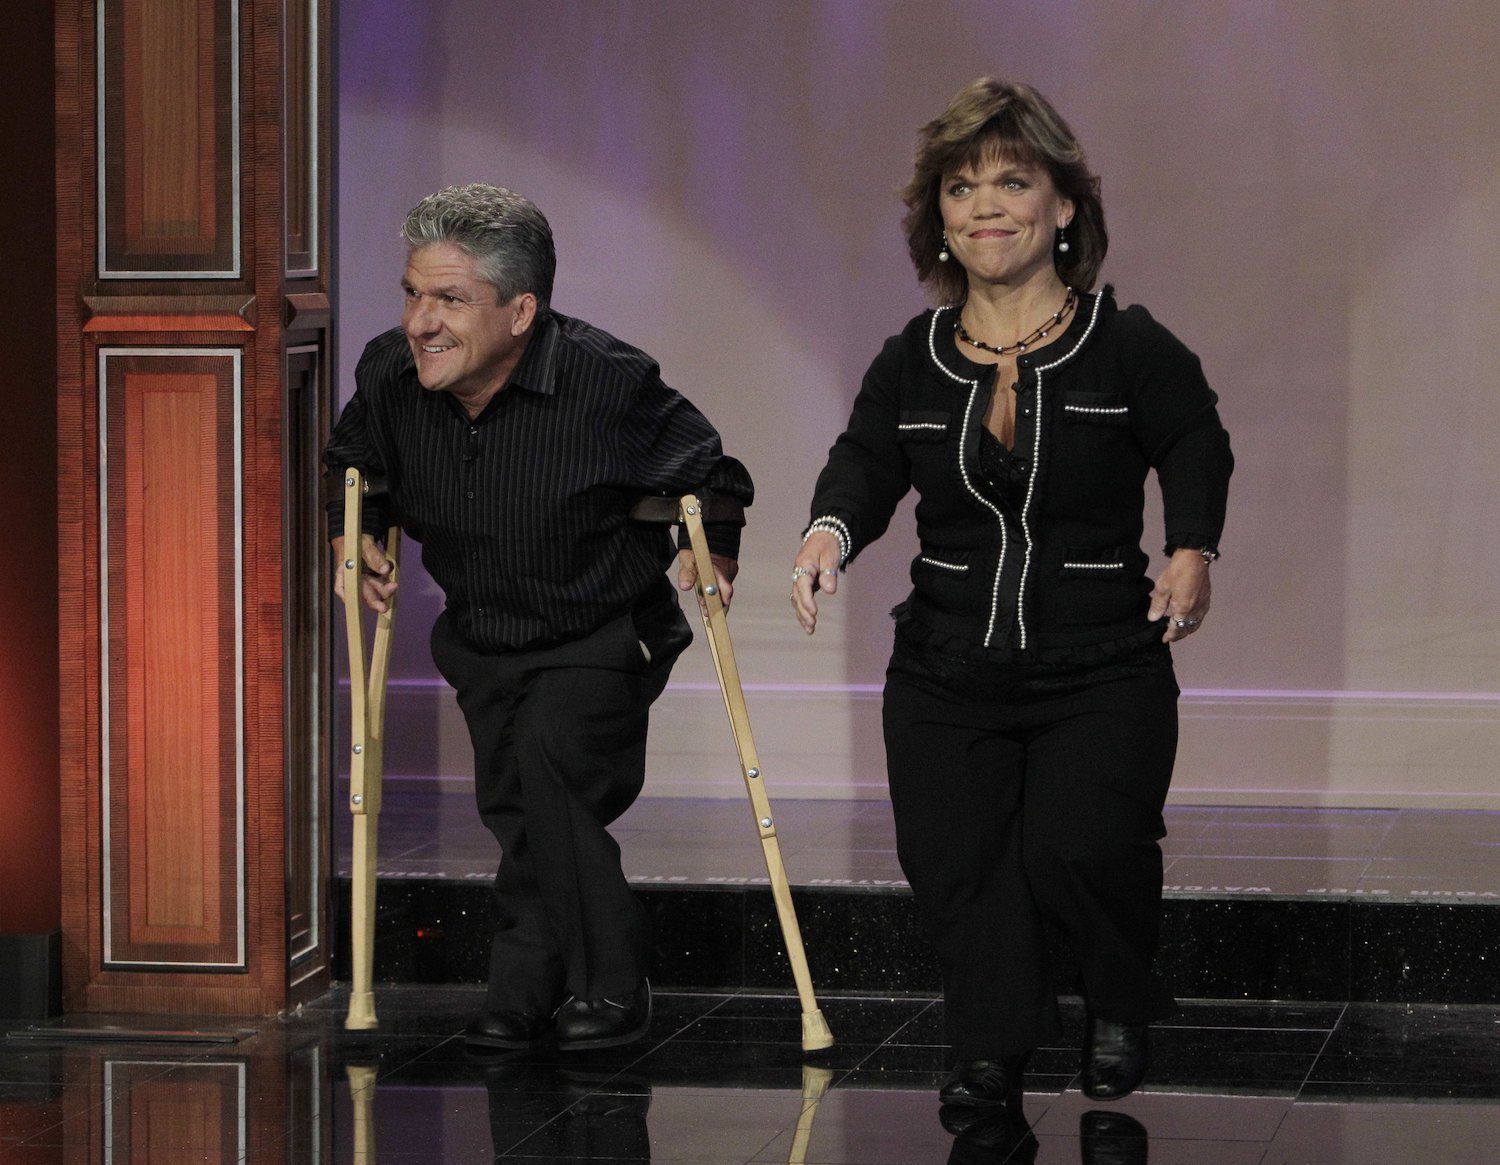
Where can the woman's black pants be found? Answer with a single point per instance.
(1017, 801)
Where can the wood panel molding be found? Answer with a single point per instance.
(172, 706)
(152, 1113)
(308, 311)
(131, 314)
(168, 104)
(303, 51)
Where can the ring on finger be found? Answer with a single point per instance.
(799, 572)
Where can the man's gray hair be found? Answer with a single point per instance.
(505, 233)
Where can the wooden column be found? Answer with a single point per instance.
(193, 395)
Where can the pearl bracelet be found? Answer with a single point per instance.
(834, 526)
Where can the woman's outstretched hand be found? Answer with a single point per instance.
(816, 568)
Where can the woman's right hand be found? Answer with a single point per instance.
(816, 568)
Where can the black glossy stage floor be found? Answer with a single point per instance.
(720, 1080)
(1327, 905)
(1286, 930)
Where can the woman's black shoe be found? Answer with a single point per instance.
(1115, 1056)
(987, 1083)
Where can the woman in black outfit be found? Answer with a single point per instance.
(1030, 704)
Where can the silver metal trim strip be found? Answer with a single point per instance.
(242, 1124)
(234, 270)
(313, 174)
(236, 356)
(315, 743)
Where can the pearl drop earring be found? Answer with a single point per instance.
(1062, 240)
(943, 254)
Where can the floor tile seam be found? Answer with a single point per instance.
(1312, 1068)
(385, 1071)
(892, 1039)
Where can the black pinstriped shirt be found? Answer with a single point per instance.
(522, 512)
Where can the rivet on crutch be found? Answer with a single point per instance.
(765, 823)
(752, 773)
(358, 748)
(692, 510)
(710, 589)
(357, 799)
(348, 481)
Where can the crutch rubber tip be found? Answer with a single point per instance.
(361, 1012)
(815, 1081)
(360, 1076)
(815, 1033)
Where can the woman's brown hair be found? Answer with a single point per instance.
(991, 118)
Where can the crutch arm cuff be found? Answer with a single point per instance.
(723, 518)
(717, 509)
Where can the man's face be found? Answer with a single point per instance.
(463, 339)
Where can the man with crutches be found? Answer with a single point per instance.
(512, 442)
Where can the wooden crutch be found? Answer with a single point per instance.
(367, 738)
(815, 1082)
(362, 1103)
(815, 1033)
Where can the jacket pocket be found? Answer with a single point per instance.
(919, 426)
(1106, 562)
(1095, 408)
(946, 577)
(945, 562)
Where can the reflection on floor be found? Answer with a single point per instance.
(721, 1080)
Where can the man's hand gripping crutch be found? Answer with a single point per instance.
(815, 1033)
(365, 576)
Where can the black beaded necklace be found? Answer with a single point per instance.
(1022, 344)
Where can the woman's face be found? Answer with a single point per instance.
(1002, 218)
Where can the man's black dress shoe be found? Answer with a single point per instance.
(507, 1031)
(989, 1136)
(986, 1083)
(583, 1024)
(1115, 1056)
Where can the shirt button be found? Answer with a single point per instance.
(471, 493)
(474, 556)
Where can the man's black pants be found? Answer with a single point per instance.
(559, 740)
(1016, 801)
